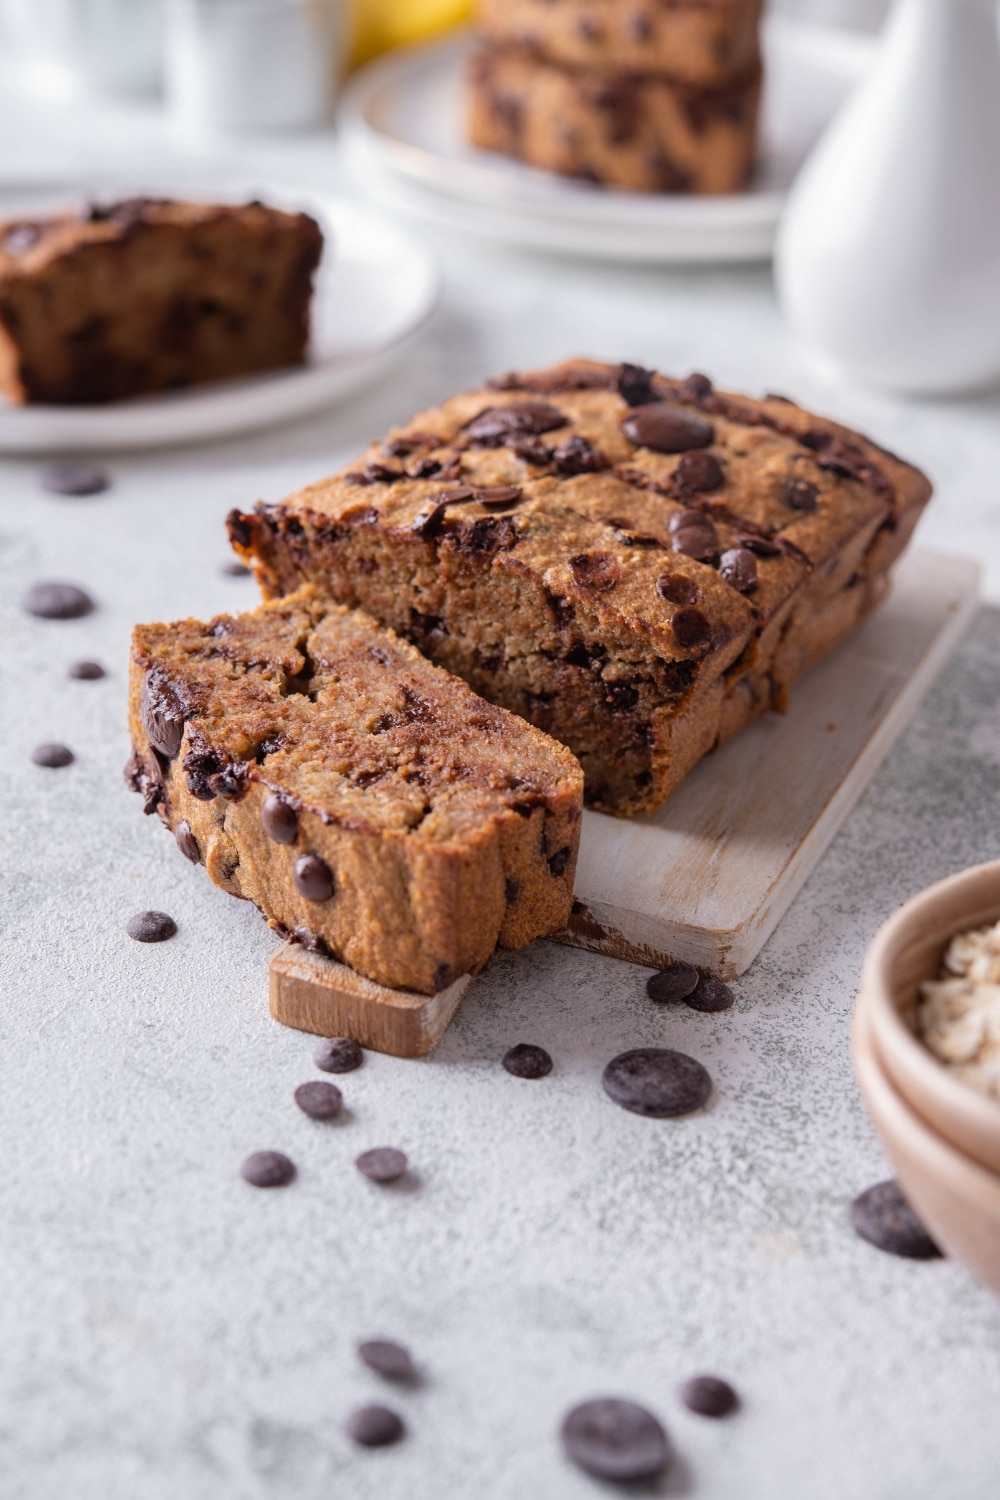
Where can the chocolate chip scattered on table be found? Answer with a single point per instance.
(268, 1169)
(75, 479)
(709, 1396)
(675, 982)
(338, 1054)
(151, 927)
(52, 756)
(319, 1100)
(57, 601)
(387, 1358)
(657, 1082)
(375, 1426)
(710, 995)
(382, 1164)
(882, 1216)
(86, 671)
(526, 1060)
(616, 1439)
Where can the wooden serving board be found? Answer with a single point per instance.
(707, 879)
(318, 994)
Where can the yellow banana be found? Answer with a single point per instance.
(381, 24)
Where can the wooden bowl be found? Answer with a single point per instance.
(957, 1199)
(906, 950)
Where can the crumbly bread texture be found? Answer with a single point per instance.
(637, 564)
(142, 295)
(704, 42)
(369, 803)
(640, 132)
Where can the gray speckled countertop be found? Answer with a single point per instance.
(167, 1333)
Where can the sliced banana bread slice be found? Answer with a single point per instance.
(367, 801)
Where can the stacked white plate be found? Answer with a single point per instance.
(403, 134)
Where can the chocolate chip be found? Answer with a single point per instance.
(559, 860)
(374, 473)
(454, 494)
(697, 386)
(235, 570)
(657, 1082)
(52, 756)
(382, 1164)
(313, 878)
(615, 1439)
(738, 567)
(494, 426)
(677, 589)
(375, 1426)
(498, 496)
(666, 428)
(530, 449)
(21, 239)
(187, 843)
(162, 714)
(699, 542)
(635, 385)
(687, 517)
(800, 494)
(598, 571)
(709, 1396)
(674, 983)
(525, 1060)
(151, 927)
(267, 1169)
(318, 1100)
(691, 629)
(86, 671)
(711, 995)
(338, 1054)
(390, 1360)
(57, 601)
(578, 456)
(882, 1216)
(75, 479)
(280, 820)
(699, 471)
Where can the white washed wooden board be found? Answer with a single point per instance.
(707, 879)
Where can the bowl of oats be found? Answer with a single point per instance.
(930, 996)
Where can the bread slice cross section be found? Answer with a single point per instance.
(371, 804)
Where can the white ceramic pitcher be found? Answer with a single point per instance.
(888, 255)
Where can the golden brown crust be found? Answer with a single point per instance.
(144, 295)
(704, 42)
(520, 537)
(438, 824)
(640, 132)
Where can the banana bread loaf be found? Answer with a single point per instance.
(638, 565)
(637, 131)
(370, 804)
(704, 42)
(144, 295)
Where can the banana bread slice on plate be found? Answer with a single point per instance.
(638, 565)
(368, 802)
(146, 294)
(705, 42)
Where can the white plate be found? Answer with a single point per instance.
(376, 287)
(402, 128)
